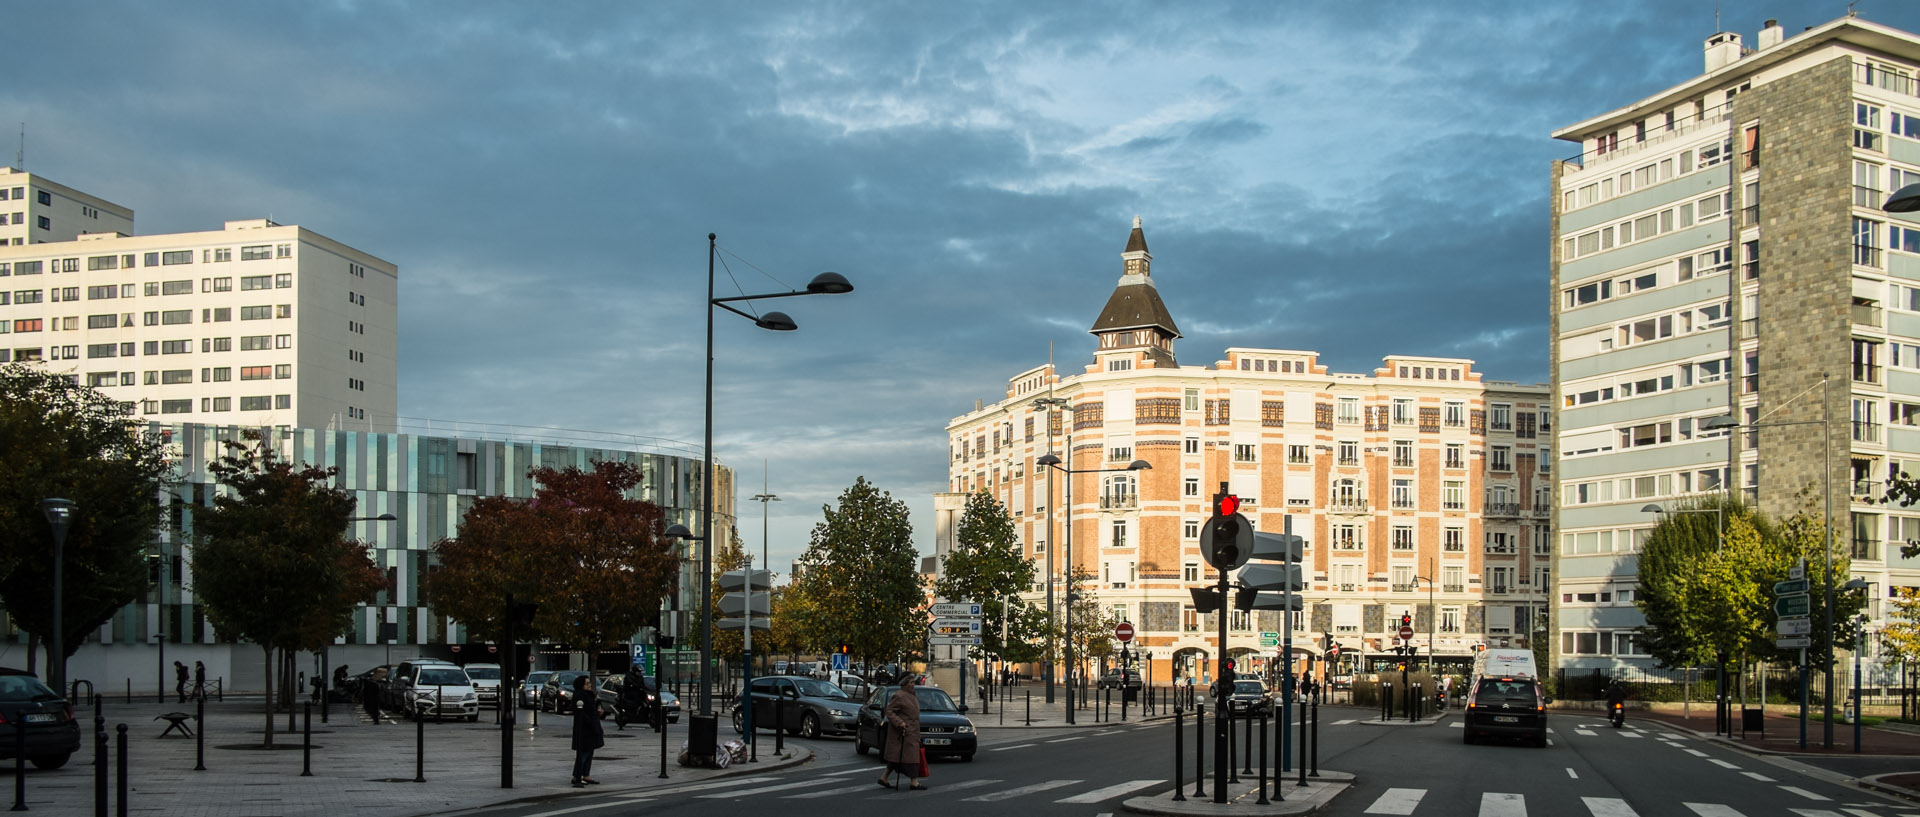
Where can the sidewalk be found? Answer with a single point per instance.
(1782, 733)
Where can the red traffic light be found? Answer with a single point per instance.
(1406, 620)
(1226, 505)
(1228, 665)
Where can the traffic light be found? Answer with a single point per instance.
(1329, 640)
(1227, 539)
(844, 649)
(1406, 620)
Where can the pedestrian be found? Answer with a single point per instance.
(200, 679)
(180, 680)
(370, 693)
(587, 735)
(902, 745)
(339, 681)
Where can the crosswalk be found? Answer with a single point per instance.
(842, 784)
(1408, 802)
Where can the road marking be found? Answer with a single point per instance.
(653, 794)
(1758, 776)
(1859, 812)
(1455, 725)
(1694, 752)
(738, 792)
(1397, 801)
(1345, 722)
(1110, 792)
(1016, 792)
(1585, 733)
(963, 784)
(1721, 763)
(1573, 774)
(849, 770)
(1064, 740)
(831, 792)
(1497, 804)
(1609, 807)
(1814, 812)
(1015, 746)
(1804, 793)
(1713, 810)
(1631, 735)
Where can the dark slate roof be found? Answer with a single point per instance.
(1134, 306)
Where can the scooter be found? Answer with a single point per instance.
(1617, 713)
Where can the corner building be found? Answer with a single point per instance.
(1419, 488)
(1719, 251)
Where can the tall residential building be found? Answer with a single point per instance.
(257, 324)
(34, 210)
(1415, 486)
(1720, 252)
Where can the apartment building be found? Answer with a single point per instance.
(1417, 486)
(255, 324)
(36, 210)
(1720, 252)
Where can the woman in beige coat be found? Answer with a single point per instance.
(902, 746)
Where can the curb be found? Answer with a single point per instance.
(1873, 782)
(1320, 792)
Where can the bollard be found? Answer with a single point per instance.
(1263, 763)
(200, 735)
(306, 743)
(99, 771)
(779, 720)
(219, 689)
(120, 770)
(1226, 721)
(1029, 707)
(1199, 751)
(1246, 748)
(419, 749)
(508, 709)
(1179, 756)
(1314, 756)
(129, 690)
(1303, 744)
(20, 767)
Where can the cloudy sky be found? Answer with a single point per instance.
(1360, 179)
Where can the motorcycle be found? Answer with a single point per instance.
(1617, 713)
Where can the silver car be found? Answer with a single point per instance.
(808, 707)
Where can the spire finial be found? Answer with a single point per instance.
(1136, 222)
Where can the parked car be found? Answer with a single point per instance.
(1115, 680)
(944, 727)
(397, 693)
(486, 683)
(530, 687)
(557, 694)
(855, 686)
(1249, 698)
(1506, 707)
(439, 691)
(638, 707)
(811, 707)
(52, 734)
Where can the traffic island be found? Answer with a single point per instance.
(1243, 798)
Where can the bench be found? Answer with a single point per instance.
(176, 720)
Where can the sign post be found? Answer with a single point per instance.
(955, 624)
(1791, 605)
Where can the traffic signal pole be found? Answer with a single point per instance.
(1286, 663)
(1223, 688)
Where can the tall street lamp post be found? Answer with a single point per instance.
(326, 657)
(1050, 405)
(1052, 461)
(763, 498)
(59, 518)
(826, 283)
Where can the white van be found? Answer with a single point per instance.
(1505, 663)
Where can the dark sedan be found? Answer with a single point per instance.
(944, 728)
(52, 735)
(1249, 699)
(808, 707)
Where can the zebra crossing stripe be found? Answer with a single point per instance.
(1345, 722)
(1397, 801)
(1721, 763)
(801, 784)
(1814, 812)
(1694, 752)
(1022, 790)
(1609, 807)
(830, 792)
(1804, 793)
(1631, 735)
(1758, 776)
(963, 784)
(1859, 812)
(1713, 810)
(1498, 804)
(1585, 733)
(1110, 792)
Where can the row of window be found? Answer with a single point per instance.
(209, 374)
(248, 343)
(162, 258)
(100, 292)
(1643, 487)
(263, 402)
(1646, 227)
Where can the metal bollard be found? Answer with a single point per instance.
(1029, 707)
(1303, 744)
(1179, 755)
(1314, 756)
(779, 720)
(419, 749)
(220, 689)
(99, 771)
(1199, 751)
(20, 767)
(1246, 748)
(120, 770)
(509, 709)
(129, 690)
(200, 735)
(1226, 721)
(306, 743)
(1263, 763)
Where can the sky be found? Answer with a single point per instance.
(1359, 179)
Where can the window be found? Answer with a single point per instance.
(1119, 534)
(1244, 452)
(1190, 445)
(1297, 454)
(282, 371)
(1349, 411)
(256, 343)
(1866, 121)
(1456, 455)
(1402, 494)
(257, 252)
(262, 403)
(172, 257)
(282, 280)
(1403, 453)
(1502, 458)
(216, 374)
(176, 406)
(256, 313)
(1453, 540)
(256, 372)
(286, 342)
(1403, 537)
(1191, 400)
(26, 325)
(253, 282)
(1502, 417)
(1190, 529)
(1403, 413)
(1500, 542)
(176, 376)
(1348, 452)
(1454, 414)
(1190, 571)
(1644, 435)
(175, 347)
(1190, 486)
(1349, 537)
(1453, 495)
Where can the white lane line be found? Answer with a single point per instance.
(1015, 746)
(1573, 774)
(1814, 812)
(798, 784)
(1631, 735)
(1110, 792)
(1721, 763)
(1804, 793)
(1022, 790)
(1609, 807)
(1455, 725)
(831, 792)
(1859, 812)
(1397, 801)
(1064, 740)
(1713, 810)
(1758, 776)
(1497, 804)
(1694, 752)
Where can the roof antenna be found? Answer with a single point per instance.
(20, 155)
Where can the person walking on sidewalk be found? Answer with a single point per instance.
(180, 680)
(902, 752)
(200, 679)
(587, 735)
(370, 693)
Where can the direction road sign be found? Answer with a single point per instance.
(954, 641)
(1269, 639)
(1788, 588)
(1794, 605)
(1789, 642)
(1123, 631)
(1406, 633)
(736, 604)
(956, 626)
(956, 608)
(1794, 626)
(839, 661)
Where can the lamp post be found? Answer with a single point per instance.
(1049, 405)
(1433, 613)
(826, 283)
(59, 518)
(1859, 646)
(326, 657)
(1052, 461)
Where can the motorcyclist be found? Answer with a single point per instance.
(1616, 698)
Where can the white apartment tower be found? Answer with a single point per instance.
(255, 324)
(1720, 252)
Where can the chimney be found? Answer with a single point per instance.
(1723, 49)
(1771, 35)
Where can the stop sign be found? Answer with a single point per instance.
(1406, 633)
(1124, 632)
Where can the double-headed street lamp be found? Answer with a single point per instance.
(1053, 461)
(1050, 405)
(59, 518)
(826, 283)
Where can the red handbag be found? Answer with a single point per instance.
(924, 771)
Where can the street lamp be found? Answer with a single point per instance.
(1052, 461)
(766, 563)
(826, 283)
(1050, 405)
(59, 517)
(1859, 646)
(1433, 614)
(1904, 200)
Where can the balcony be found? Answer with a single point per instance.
(1347, 506)
(1866, 256)
(1346, 588)
(1403, 588)
(1866, 549)
(1866, 432)
(1866, 315)
(1866, 373)
(1502, 510)
(1116, 502)
(1499, 589)
(1349, 544)
(1540, 511)
(1865, 490)
(1453, 588)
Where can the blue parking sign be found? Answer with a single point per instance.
(840, 661)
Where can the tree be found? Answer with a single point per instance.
(986, 566)
(1092, 624)
(597, 562)
(860, 577)
(1699, 589)
(60, 439)
(1901, 637)
(271, 565)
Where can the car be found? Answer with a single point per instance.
(855, 686)
(556, 695)
(811, 707)
(486, 683)
(1249, 699)
(52, 734)
(530, 687)
(397, 693)
(1115, 680)
(944, 727)
(1506, 706)
(639, 709)
(440, 690)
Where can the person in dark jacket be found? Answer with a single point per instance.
(180, 680)
(587, 735)
(902, 744)
(200, 679)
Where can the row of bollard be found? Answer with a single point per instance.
(1309, 741)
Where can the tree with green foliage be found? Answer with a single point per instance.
(271, 564)
(859, 581)
(1700, 573)
(1092, 623)
(1900, 639)
(61, 439)
(987, 566)
(595, 560)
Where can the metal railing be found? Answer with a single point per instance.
(1866, 432)
(1347, 506)
(1866, 548)
(1112, 501)
(1866, 315)
(1866, 256)
(1502, 509)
